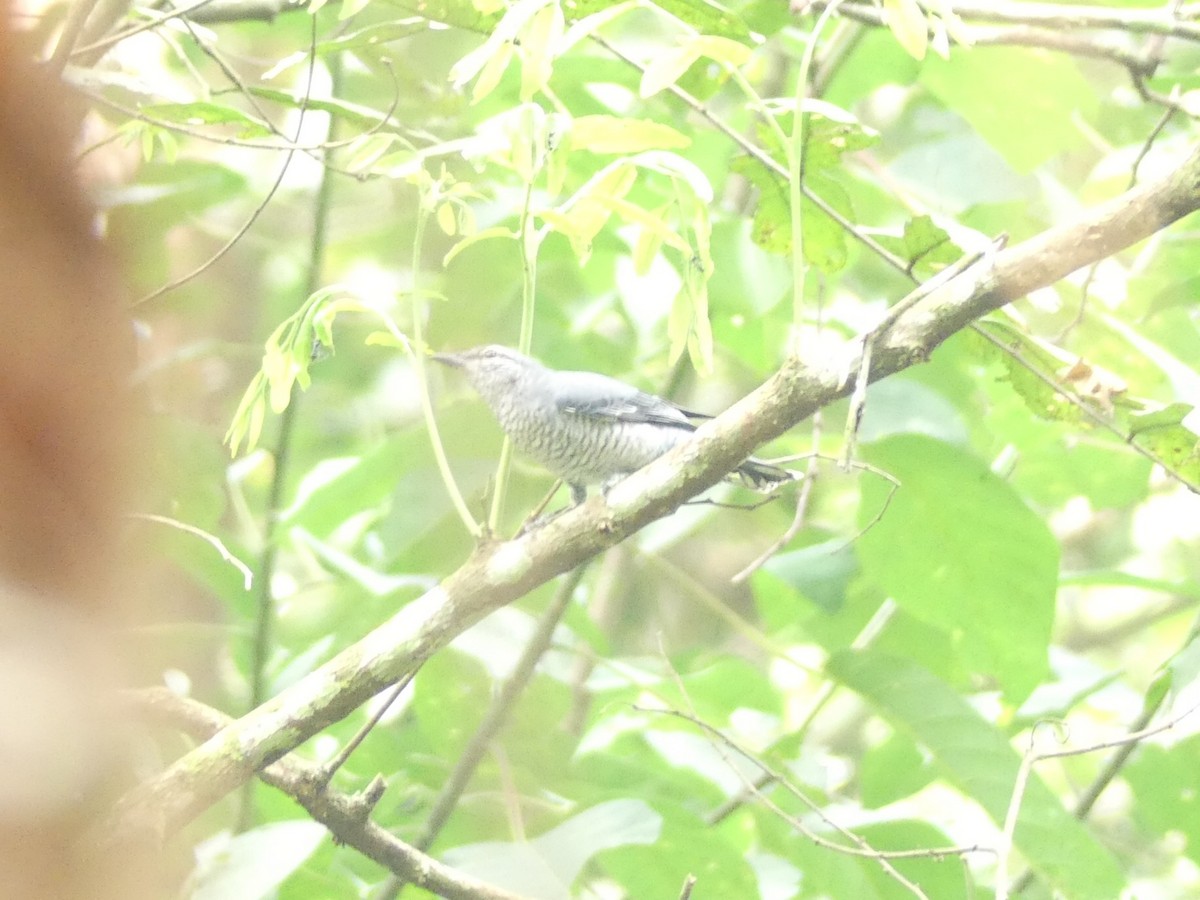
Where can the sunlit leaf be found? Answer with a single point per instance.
(612, 134)
(907, 22)
(957, 548)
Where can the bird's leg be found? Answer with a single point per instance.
(538, 518)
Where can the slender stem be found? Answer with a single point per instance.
(497, 714)
(417, 349)
(795, 159)
(265, 613)
(530, 242)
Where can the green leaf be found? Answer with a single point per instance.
(493, 69)
(1163, 435)
(686, 846)
(548, 865)
(337, 488)
(1166, 790)
(978, 759)
(824, 239)
(496, 231)
(166, 193)
(539, 46)
(588, 23)
(1026, 123)
(354, 114)
(1040, 397)
(957, 548)
(666, 68)
(586, 213)
(922, 242)
(937, 877)
(490, 58)
(893, 770)
(821, 573)
(204, 113)
(462, 14)
(723, 50)
(376, 35)
(252, 864)
(365, 150)
(450, 694)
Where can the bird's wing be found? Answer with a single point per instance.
(600, 397)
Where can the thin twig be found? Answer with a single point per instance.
(152, 22)
(208, 537)
(799, 517)
(874, 627)
(1053, 15)
(1030, 759)
(249, 223)
(860, 846)
(329, 769)
(858, 398)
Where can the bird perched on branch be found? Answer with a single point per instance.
(584, 427)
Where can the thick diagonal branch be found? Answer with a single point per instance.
(497, 574)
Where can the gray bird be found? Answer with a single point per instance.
(584, 427)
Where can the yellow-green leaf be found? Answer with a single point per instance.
(664, 70)
(906, 20)
(645, 248)
(486, 234)
(722, 49)
(446, 220)
(350, 7)
(492, 71)
(613, 134)
(679, 326)
(700, 340)
(539, 42)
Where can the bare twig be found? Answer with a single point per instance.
(1031, 759)
(152, 22)
(858, 399)
(501, 707)
(874, 627)
(329, 769)
(1057, 15)
(257, 211)
(857, 846)
(344, 815)
(206, 536)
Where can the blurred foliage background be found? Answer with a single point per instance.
(609, 184)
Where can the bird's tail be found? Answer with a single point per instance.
(763, 476)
